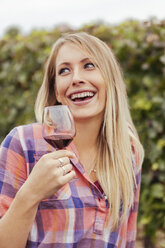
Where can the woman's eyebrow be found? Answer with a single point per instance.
(85, 59)
(63, 63)
(68, 63)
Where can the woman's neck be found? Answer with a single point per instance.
(87, 132)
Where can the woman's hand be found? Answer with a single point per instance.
(49, 174)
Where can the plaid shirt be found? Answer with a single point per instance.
(78, 215)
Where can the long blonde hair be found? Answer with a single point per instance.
(114, 159)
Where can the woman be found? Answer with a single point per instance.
(94, 203)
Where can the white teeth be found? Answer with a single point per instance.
(80, 95)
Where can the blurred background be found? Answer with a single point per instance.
(136, 32)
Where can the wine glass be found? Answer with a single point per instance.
(58, 126)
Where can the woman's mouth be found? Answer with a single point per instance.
(82, 96)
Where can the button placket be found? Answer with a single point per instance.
(100, 216)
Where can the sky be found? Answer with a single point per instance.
(47, 14)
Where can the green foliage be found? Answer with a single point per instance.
(140, 48)
(22, 60)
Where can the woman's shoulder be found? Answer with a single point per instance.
(30, 130)
(22, 132)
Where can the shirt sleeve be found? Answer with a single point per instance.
(132, 220)
(12, 169)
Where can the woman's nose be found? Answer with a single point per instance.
(77, 78)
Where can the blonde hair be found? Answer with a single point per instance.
(114, 159)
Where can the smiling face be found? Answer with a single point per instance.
(79, 83)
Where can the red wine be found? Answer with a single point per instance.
(59, 141)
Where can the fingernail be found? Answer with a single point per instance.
(74, 155)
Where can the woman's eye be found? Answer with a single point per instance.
(63, 70)
(89, 65)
